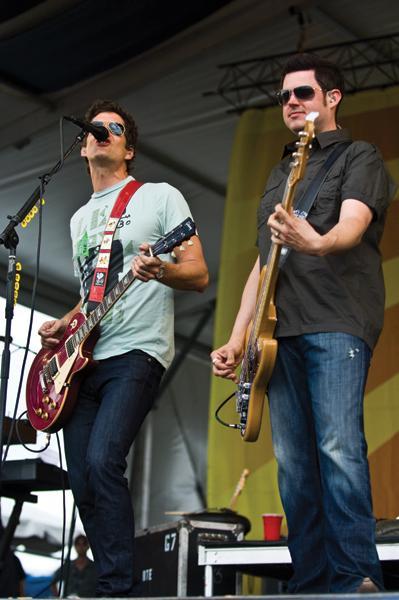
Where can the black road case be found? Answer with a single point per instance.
(166, 557)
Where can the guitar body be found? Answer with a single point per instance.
(267, 358)
(260, 372)
(54, 378)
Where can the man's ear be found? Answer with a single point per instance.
(83, 151)
(129, 153)
(334, 96)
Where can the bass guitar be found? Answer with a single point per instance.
(260, 346)
(55, 374)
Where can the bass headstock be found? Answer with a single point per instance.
(304, 144)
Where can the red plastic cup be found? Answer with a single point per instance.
(271, 526)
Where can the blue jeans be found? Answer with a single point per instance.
(114, 399)
(316, 411)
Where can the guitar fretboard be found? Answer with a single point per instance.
(99, 312)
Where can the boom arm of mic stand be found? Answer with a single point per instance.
(7, 233)
(9, 239)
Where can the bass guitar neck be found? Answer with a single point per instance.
(260, 345)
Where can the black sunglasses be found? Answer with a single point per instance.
(301, 92)
(112, 126)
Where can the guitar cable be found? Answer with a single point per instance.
(48, 436)
(220, 420)
(63, 517)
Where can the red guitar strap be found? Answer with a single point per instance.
(100, 275)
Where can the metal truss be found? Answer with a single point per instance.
(366, 64)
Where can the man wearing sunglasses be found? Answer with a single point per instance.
(136, 336)
(330, 306)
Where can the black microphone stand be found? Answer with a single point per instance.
(9, 238)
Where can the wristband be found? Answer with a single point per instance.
(161, 271)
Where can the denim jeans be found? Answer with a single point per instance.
(316, 411)
(114, 399)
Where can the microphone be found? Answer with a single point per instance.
(100, 133)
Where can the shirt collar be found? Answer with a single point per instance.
(322, 140)
(113, 188)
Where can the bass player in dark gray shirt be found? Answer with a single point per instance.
(330, 305)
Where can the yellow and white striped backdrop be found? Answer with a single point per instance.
(260, 135)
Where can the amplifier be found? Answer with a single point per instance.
(166, 557)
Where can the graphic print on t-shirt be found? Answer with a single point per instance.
(86, 266)
(86, 257)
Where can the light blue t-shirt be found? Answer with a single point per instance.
(143, 318)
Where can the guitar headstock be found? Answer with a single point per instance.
(304, 145)
(174, 238)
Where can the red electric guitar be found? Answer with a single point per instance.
(55, 375)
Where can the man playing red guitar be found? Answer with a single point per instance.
(136, 337)
(330, 306)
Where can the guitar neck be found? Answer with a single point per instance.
(268, 287)
(165, 244)
(103, 308)
(267, 290)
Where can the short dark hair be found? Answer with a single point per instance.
(82, 538)
(327, 74)
(99, 106)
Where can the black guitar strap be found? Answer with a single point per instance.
(309, 196)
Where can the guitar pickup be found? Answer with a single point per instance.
(43, 383)
(241, 402)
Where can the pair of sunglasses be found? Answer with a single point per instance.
(113, 127)
(301, 92)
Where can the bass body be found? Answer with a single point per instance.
(257, 369)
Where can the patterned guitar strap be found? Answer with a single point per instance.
(100, 275)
